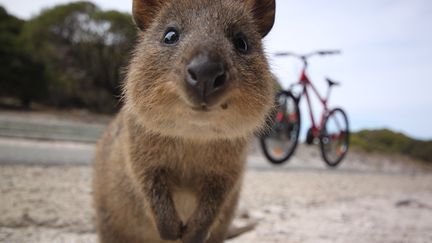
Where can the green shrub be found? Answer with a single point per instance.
(22, 77)
(387, 141)
(70, 55)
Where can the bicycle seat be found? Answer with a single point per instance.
(332, 83)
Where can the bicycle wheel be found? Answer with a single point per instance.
(334, 137)
(279, 142)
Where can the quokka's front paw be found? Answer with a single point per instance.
(170, 229)
(193, 234)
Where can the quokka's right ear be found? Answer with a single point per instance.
(144, 12)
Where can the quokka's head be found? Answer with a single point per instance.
(199, 70)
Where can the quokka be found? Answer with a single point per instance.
(170, 165)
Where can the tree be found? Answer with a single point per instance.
(21, 76)
(83, 49)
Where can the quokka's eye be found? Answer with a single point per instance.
(241, 43)
(171, 36)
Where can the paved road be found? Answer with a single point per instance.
(19, 127)
(52, 140)
(19, 151)
(39, 138)
(36, 152)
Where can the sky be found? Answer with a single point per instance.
(386, 64)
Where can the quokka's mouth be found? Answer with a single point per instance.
(205, 108)
(201, 108)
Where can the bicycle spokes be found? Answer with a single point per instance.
(334, 137)
(279, 144)
(333, 132)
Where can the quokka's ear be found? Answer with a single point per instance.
(264, 12)
(144, 12)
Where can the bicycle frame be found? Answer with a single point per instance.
(332, 130)
(306, 83)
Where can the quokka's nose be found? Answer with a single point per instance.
(206, 78)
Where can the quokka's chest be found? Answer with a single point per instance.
(185, 202)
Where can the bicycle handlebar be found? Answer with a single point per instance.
(330, 52)
(304, 57)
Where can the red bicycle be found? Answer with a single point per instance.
(332, 132)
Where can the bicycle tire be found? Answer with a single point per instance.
(325, 138)
(264, 139)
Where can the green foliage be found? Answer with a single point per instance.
(84, 49)
(21, 76)
(76, 49)
(387, 141)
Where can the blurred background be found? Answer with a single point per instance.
(68, 55)
(61, 68)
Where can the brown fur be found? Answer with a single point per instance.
(166, 172)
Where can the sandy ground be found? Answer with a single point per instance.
(370, 198)
(53, 204)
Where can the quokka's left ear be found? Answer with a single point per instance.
(264, 12)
